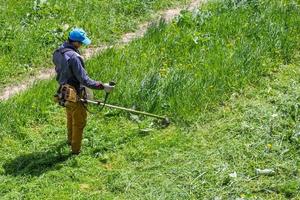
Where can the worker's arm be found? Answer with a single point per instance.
(81, 75)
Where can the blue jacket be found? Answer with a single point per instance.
(70, 68)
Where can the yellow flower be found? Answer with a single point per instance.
(163, 72)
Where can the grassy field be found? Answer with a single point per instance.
(229, 78)
(258, 129)
(192, 65)
(31, 30)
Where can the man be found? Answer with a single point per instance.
(72, 78)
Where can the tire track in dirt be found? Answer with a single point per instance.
(45, 74)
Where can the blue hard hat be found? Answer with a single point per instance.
(79, 35)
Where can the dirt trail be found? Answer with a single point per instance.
(44, 74)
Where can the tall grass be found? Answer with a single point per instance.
(186, 68)
(198, 61)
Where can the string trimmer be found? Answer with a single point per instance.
(165, 120)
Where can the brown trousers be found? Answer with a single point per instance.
(76, 121)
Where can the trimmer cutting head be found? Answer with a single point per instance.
(165, 122)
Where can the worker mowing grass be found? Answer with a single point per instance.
(73, 80)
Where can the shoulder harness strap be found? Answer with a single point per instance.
(64, 50)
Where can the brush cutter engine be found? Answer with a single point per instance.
(66, 93)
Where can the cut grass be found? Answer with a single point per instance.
(258, 129)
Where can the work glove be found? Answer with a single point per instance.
(108, 88)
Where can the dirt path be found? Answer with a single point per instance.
(44, 74)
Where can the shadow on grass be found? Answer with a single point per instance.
(37, 163)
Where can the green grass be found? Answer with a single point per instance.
(182, 163)
(194, 64)
(31, 30)
(241, 114)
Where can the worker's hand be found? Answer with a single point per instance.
(108, 88)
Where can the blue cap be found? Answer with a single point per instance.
(79, 35)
